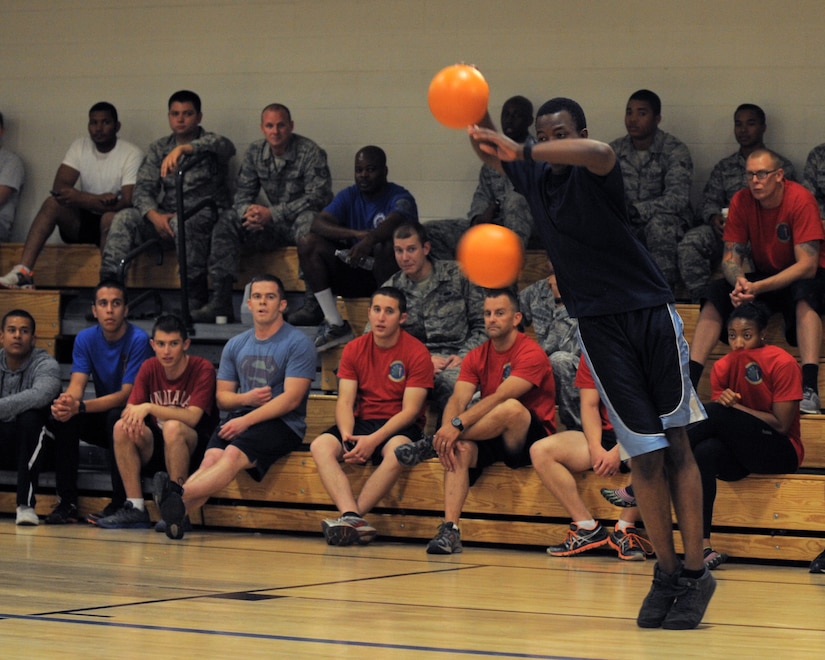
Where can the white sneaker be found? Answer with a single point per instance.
(810, 404)
(18, 277)
(27, 516)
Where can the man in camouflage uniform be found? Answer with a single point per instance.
(494, 201)
(657, 171)
(444, 310)
(700, 251)
(813, 177)
(292, 171)
(155, 195)
(542, 306)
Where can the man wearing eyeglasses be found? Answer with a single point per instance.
(776, 223)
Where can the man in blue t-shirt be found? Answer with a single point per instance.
(357, 225)
(111, 352)
(263, 384)
(630, 333)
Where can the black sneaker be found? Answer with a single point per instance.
(691, 602)
(173, 511)
(659, 600)
(330, 336)
(622, 497)
(127, 517)
(714, 559)
(412, 453)
(109, 510)
(579, 540)
(162, 485)
(160, 525)
(63, 514)
(818, 564)
(447, 541)
(630, 545)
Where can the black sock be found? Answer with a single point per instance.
(351, 514)
(696, 370)
(810, 376)
(693, 575)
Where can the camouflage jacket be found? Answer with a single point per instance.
(492, 187)
(813, 178)
(555, 330)
(207, 179)
(295, 182)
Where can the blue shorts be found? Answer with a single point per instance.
(639, 360)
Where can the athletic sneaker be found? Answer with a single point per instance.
(173, 511)
(622, 497)
(818, 564)
(127, 517)
(579, 540)
(630, 545)
(162, 485)
(160, 525)
(347, 530)
(810, 403)
(26, 517)
(691, 602)
(110, 509)
(659, 600)
(412, 453)
(330, 336)
(447, 541)
(63, 514)
(18, 277)
(714, 559)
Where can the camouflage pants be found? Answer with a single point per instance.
(445, 234)
(230, 240)
(129, 230)
(660, 235)
(700, 252)
(567, 394)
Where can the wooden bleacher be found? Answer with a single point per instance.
(771, 518)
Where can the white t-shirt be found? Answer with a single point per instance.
(103, 173)
(11, 176)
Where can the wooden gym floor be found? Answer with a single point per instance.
(82, 592)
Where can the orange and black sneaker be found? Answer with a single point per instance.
(630, 545)
(579, 540)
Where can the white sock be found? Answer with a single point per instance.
(326, 299)
(588, 525)
(622, 525)
(139, 504)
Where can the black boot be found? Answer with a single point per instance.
(309, 314)
(220, 304)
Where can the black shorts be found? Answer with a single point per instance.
(263, 443)
(494, 450)
(157, 461)
(781, 301)
(89, 232)
(367, 426)
(352, 282)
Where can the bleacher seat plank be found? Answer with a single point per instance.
(43, 305)
(320, 415)
(59, 266)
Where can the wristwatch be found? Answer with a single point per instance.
(456, 422)
(81, 407)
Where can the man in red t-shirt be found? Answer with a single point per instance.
(167, 421)
(383, 380)
(517, 408)
(776, 223)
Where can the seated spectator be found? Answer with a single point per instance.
(657, 171)
(700, 251)
(110, 353)
(813, 177)
(12, 175)
(383, 381)
(348, 250)
(542, 307)
(263, 384)
(495, 200)
(94, 181)
(155, 213)
(29, 380)
(292, 172)
(444, 309)
(777, 223)
(168, 420)
(558, 457)
(517, 408)
(753, 417)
